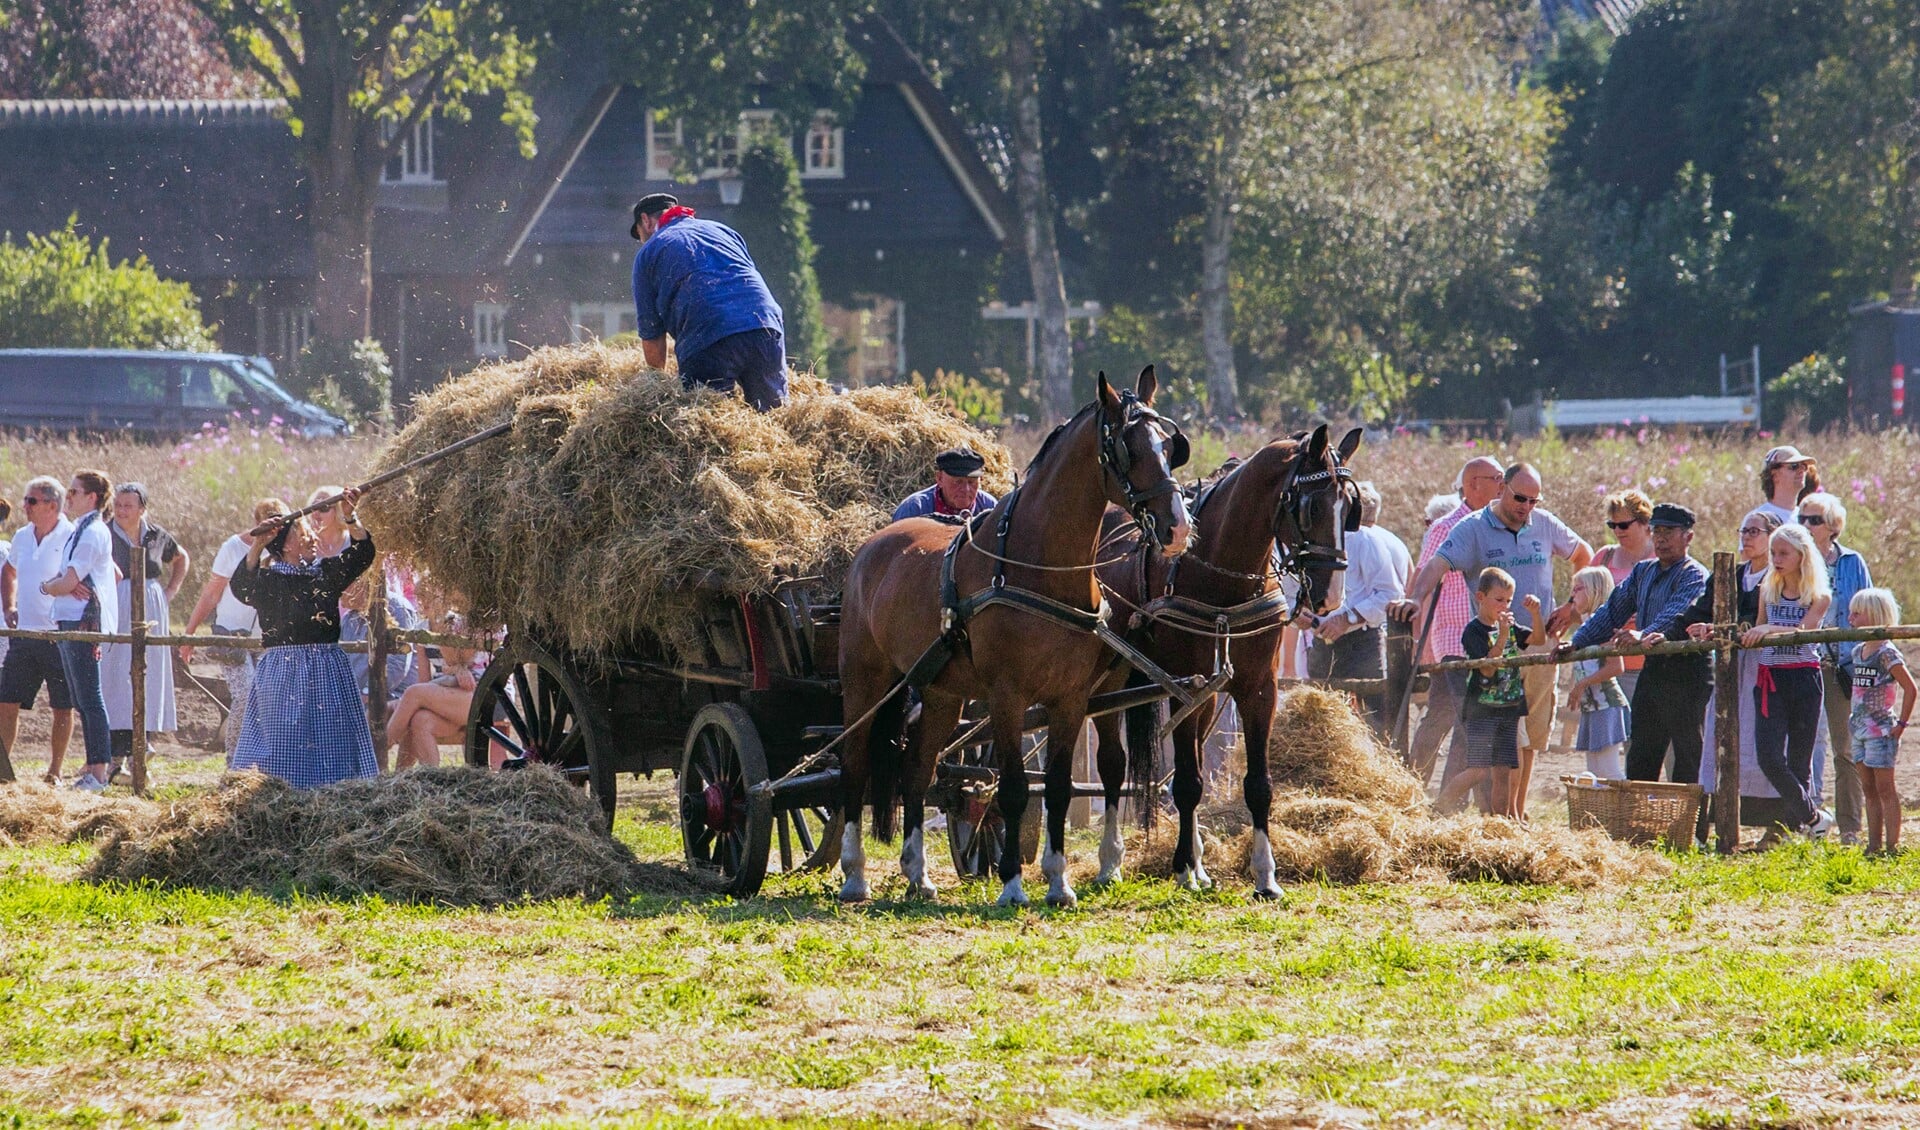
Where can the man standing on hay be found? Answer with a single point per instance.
(693, 278)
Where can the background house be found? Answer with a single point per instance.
(479, 252)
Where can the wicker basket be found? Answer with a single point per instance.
(1639, 812)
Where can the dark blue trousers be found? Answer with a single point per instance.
(755, 362)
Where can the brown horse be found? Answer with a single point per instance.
(1294, 496)
(1022, 581)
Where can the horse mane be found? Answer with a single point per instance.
(1055, 434)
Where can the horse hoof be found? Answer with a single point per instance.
(1012, 895)
(1266, 894)
(923, 889)
(1064, 900)
(1107, 878)
(853, 892)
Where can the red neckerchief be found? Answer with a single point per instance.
(677, 212)
(940, 505)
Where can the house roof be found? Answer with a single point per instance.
(211, 190)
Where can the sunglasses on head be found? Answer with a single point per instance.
(1812, 519)
(1626, 525)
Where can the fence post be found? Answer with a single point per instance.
(137, 617)
(380, 645)
(1726, 708)
(1398, 696)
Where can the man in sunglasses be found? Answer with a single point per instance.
(1515, 533)
(38, 555)
(1670, 699)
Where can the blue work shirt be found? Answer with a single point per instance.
(1657, 597)
(695, 280)
(920, 504)
(1847, 575)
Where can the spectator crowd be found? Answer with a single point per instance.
(297, 705)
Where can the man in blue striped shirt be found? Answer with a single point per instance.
(1670, 698)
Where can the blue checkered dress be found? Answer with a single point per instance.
(304, 721)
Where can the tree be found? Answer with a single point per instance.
(1848, 143)
(112, 49)
(993, 54)
(773, 219)
(61, 291)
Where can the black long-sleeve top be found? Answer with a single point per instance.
(1746, 601)
(300, 603)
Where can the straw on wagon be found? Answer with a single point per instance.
(1346, 811)
(449, 836)
(617, 493)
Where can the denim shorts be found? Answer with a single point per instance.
(1876, 753)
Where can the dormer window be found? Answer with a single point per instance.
(663, 147)
(412, 163)
(753, 124)
(823, 153)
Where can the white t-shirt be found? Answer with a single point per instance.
(92, 558)
(35, 561)
(230, 612)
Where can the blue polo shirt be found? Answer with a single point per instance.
(695, 280)
(1481, 539)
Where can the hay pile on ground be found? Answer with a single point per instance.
(617, 492)
(37, 814)
(1346, 811)
(451, 836)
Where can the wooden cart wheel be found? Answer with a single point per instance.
(726, 827)
(976, 832)
(537, 710)
(809, 837)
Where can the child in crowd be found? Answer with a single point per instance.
(1787, 698)
(1496, 698)
(1877, 667)
(1605, 720)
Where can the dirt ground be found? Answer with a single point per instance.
(198, 735)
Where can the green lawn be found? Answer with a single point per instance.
(1778, 990)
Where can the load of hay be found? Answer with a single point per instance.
(618, 494)
(1346, 811)
(449, 836)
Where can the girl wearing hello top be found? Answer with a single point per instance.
(1787, 698)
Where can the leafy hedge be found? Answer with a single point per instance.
(61, 291)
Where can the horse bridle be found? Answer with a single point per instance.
(1297, 557)
(1117, 458)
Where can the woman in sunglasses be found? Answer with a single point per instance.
(1825, 517)
(1787, 476)
(1628, 512)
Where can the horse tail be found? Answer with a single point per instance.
(1142, 730)
(886, 752)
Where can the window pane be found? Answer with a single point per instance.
(208, 386)
(134, 383)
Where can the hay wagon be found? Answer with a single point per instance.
(743, 731)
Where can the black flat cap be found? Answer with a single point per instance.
(1671, 514)
(960, 462)
(652, 204)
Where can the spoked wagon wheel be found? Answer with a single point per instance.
(809, 836)
(724, 824)
(976, 832)
(537, 710)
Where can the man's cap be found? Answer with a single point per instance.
(1671, 514)
(960, 462)
(1786, 453)
(652, 204)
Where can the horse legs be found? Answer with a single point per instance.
(1189, 868)
(1112, 760)
(938, 715)
(1008, 719)
(1064, 721)
(1256, 703)
(864, 681)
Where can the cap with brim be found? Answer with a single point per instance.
(652, 204)
(1671, 514)
(960, 462)
(1787, 454)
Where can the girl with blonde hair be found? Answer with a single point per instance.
(1605, 720)
(1787, 697)
(1877, 668)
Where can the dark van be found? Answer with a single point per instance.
(150, 393)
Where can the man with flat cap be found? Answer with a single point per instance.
(1670, 698)
(955, 492)
(693, 278)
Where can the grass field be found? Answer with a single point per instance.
(1778, 990)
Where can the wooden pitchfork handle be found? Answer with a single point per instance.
(410, 465)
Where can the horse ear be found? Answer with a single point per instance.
(1146, 386)
(1349, 444)
(1109, 399)
(1317, 444)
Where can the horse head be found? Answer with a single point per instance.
(1139, 449)
(1318, 506)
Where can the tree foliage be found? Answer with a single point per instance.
(774, 220)
(113, 49)
(61, 291)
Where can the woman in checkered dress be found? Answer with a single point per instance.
(304, 722)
